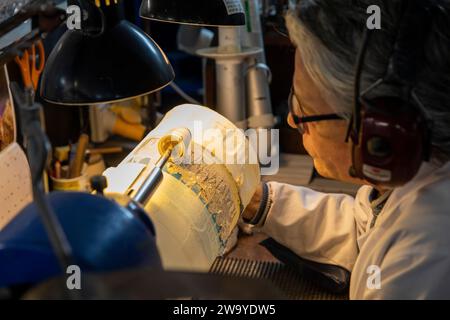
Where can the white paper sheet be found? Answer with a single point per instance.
(15, 183)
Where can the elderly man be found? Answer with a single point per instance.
(401, 235)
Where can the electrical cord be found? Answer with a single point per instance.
(183, 94)
(263, 67)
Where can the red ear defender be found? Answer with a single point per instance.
(390, 133)
(392, 142)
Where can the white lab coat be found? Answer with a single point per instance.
(410, 242)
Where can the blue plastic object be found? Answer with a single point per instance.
(104, 237)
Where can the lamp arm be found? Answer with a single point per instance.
(38, 148)
(90, 7)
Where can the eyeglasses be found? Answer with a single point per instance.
(300, 122)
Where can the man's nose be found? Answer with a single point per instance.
(291, 122)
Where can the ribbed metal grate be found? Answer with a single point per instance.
(289, 281)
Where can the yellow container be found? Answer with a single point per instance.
(80, 183)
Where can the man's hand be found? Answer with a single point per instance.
(253, 206)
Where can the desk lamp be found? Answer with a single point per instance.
(106, 62)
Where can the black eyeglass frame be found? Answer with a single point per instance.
(299, 121)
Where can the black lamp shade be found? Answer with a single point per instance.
(121, 63)
(197, 12)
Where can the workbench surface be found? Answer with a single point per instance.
(250, 260)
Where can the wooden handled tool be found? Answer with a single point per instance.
(76, 165)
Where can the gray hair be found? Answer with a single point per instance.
(328, 34)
